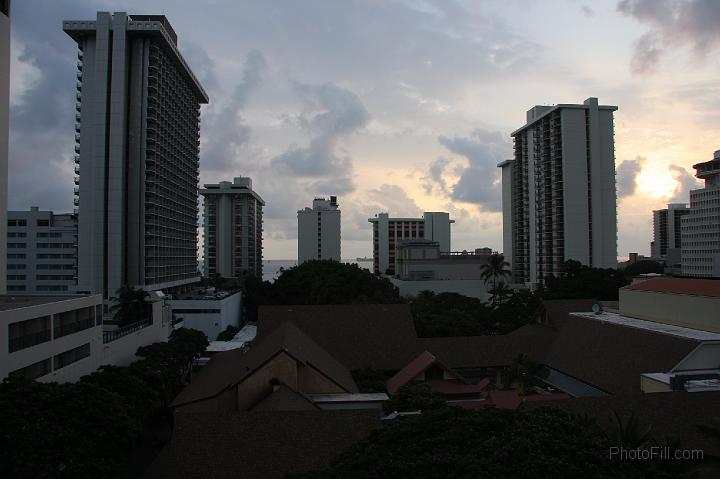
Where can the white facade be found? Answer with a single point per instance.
(137, 145)
(562, 200)
(233, 227)
(389, 232)
(4, 120)
(62, 338)
(50, 338)
(319, 231)
(42, 252)
(211, 316)
(667, 236)
(701, 227)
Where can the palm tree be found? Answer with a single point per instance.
(500, 292)
(522, 373)
(496, 269)
(130, 305)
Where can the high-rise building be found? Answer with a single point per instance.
(233, 229)
(701, 227)
(319, 231)
(4, 120)
(667, 238)
(42, 251)
(137, 145)
(561, 198)
(389, 232)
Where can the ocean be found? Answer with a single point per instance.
(271, 267)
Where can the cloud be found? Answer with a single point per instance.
(435, 177)
(672, 24)
(225, 133)
(685, 182)
(394, 200)
(627, 173)
(331, 114)
(587, 11)
(479, 181)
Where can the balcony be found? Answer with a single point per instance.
(77, 170)
(76, 158)
(115, 334)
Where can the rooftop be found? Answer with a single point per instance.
(687, 286)
(11, 302)
(661, 328)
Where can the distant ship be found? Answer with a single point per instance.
(365, 258)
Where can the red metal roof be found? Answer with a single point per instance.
(505, 399)
(406, 374)
(453, 386)
(689, 286)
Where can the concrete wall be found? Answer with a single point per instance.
(121, 352)
(705, 356)
(507, 211)
(649, 385)
(695, 312)
(575, 191)
(4, 138)
(211, 324)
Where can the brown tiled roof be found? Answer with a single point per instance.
(489, 351)
(284, 398)
(689, 286)
(671, 414)
(609, 356)
(377, 336)
(229, 368)
(258, 444)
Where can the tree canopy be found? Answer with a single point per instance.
(458, 443)
(88, 429)
(584, 282)
(320, 282)
(644, 266)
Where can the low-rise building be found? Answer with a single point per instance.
(208, 311)
(389, 232)
(687, 302)
(50, 338)
(62, 338)
(420, 265)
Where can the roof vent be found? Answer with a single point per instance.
(597, 308)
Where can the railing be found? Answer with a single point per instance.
(109, 336)
(70, 328)
(28, 340)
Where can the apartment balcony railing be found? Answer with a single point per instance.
(112, 335)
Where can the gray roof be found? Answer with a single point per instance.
(377, 336)
(258, 444)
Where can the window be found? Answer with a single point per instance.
(71, 356)
(71, 322)
(17, 223)
(52, 288)
(16, 277)
(17, 235)
(16, 255)
(16, 245)
(16, 287)
(16, 266)
(43, 222)
(28, 333)
(34, 371)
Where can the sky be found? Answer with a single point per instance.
(394, 106)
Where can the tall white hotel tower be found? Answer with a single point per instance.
(319, 231)
(4, 112)
(559, 200)
(138, 136)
